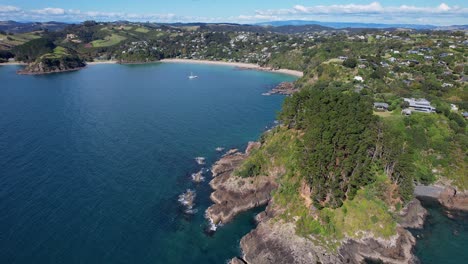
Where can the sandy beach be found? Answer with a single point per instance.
(13, 63)
(101, 62)
(236, 64)
(239, 65)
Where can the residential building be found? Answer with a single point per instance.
(420, 105)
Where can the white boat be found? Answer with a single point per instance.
(191, 76)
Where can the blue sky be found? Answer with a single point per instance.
(445, 12)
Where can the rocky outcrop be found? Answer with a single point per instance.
(448, 196)
(48, 65)
(413, 215)
(233, 194)
(453, 199)
(285, 88)
(274, 241)
(394, 250)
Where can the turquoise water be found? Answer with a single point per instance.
(444, 239)
(92, 162)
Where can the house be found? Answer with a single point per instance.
(343, 57)
(465, 115)
(447, 85)
(358, 78)
(454, 107)
(420, 105)
(71, 36)
(406, 112)
(381, 106)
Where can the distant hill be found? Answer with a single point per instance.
(22, 27)
(342, 25)
(454, 27)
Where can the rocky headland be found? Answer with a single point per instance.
(53, 65)
(275, 241)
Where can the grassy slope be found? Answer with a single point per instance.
(16, 39)
(108, 41)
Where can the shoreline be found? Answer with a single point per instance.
(101, 62)
(240, 65)
(13, 63)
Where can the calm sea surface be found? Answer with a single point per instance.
(444, 239)
(92, 162)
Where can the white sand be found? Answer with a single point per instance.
(236, 64)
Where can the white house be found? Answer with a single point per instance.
(358, 78)
(420, 105)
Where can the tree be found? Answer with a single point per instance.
(350, 63)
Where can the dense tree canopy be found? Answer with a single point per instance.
(339, 141)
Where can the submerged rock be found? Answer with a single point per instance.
(200, 160)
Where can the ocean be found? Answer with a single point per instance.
(92, 162)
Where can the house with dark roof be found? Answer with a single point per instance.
(381, 106)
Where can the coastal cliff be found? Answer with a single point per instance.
(276, 241)
(233, 194)
(47, 65)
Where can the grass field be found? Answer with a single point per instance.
(58, 52)
(142, 30)
(17, 39)
(108, 41)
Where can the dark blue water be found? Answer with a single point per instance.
(444, 238)
(92, 162)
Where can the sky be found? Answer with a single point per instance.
(435, 12)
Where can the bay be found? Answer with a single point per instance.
(92, 162)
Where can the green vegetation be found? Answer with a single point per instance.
(33, 49)
(340, 132)
(111, 40)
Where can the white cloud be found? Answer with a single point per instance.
(374, 12)
(50, 11)
(371, 12)
(9, 9)
(371, 8)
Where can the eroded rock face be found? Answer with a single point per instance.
(276, 242)
(233, 194)
(413, 215)
(453, 199)
(395, 250)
